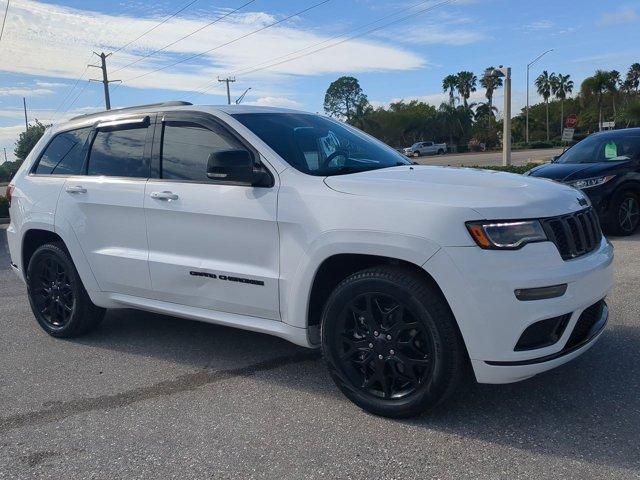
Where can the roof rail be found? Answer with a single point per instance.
(175, 103)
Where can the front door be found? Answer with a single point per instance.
(104, 207)
(211, 245)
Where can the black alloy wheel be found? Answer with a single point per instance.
(57, 296)
(52, 292)
(625, 213)
(382, 346)
(391, 343)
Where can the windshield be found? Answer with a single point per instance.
(318, 145)
(611, 147)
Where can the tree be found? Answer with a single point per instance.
(596, 86)
(490, 84)
(466, 84)
(344, 98)
(28, 139)
(485, 110)
(633, 77)
(561, 85)
(543, 84)
(450, 83)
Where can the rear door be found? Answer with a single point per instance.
(211, 245)
(104, 206)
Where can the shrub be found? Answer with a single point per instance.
(510, 168)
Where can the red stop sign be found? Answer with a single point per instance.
(571, 121)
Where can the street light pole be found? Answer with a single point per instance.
(506, 122)
(526, 134)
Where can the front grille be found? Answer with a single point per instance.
(585, 323)
(575, 234)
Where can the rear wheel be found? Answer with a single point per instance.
(391, 343)
(624, 216)
(57, 297)
(440, 152)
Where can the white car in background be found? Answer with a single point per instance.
(299, 226)
(419, 149)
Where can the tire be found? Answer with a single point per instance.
(440, 152)
(416, 154)
(419, 354)
(624, 214)
(57, 297)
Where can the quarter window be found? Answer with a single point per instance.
(64, 154)
(186, 148)
(119, 153)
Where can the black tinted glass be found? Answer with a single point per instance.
(610, 147)
(63, 156)
(119, 153)
(186, 148)
(320, 146)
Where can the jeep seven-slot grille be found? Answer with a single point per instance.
(575, 234)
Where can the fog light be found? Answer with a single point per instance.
(540, 293)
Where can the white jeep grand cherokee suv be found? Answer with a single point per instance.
(299, 226)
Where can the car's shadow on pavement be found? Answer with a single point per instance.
(587, 410)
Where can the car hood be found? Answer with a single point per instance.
(564, 172)
(493, 195)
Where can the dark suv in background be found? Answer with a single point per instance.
(606, 166)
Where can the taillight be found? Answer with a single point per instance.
(9, 192)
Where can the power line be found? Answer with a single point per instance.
(156, 26)
(4, 20)
(191, 57)
(222, 17)
(270, 63)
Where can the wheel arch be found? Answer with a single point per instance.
(337, 267)
(38, 235)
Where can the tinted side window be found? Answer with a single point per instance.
(119, 153)
(186, 148)
(64, 154)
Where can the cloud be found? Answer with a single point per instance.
(52, 84)
(439, 36)
(275, 102)
(24, 91)
(626, 15)
(56, 41)
(538, 25)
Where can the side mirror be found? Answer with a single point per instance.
(234, 166)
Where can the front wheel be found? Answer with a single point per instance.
(624, 216)
(57, 297)
(391, 343)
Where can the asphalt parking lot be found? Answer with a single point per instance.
(149, 396)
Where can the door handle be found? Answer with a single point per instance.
(76, 189)
(164, 195)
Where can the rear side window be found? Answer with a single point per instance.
(119, 153)
(64, 154)
(186, 148)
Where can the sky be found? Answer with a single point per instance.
(288, 52)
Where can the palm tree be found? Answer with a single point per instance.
(633, 76)
(596, 85)
(612, 87)
(561, 85)
(485, 110)
(466, 84)
(490, 84)
(450, 83)
(543, 84)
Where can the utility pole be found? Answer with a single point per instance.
(105, 77)
(227, 81)
(5, 154)
(24, 104)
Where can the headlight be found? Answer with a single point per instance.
(590, 182)
(506, 235)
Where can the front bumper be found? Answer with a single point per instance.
(480, 284)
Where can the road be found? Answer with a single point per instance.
(518, 157)
(149, 396)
